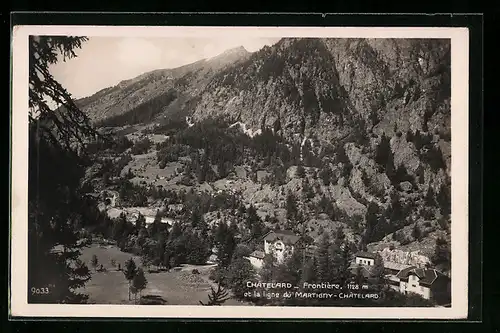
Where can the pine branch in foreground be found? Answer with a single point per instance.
(216, 297)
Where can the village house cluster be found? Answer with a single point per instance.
(279, 243)
(427, 282)
(424, 281)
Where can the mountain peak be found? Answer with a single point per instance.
(228, 57)
(239, 51)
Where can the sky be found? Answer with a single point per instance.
(105, 61)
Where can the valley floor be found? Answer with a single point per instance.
(176, 287)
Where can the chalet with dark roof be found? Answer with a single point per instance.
(280, 243)
(427, 282)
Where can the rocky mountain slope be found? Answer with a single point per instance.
(371, 114)
(183, 81)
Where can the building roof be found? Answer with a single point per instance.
(426, 276)
(404, 272)
(176, 206)
(364, 254)
(395, 266)
(366, 271)
(286, 236)
(257, 254)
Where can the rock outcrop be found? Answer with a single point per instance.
(413, 258)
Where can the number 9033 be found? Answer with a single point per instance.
(40, 291)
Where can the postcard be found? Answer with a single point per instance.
(239, 172)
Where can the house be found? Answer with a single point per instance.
(365, 270)
(427, 282)
(391, 270)
(365, 258)
(175, 208)
(280, 243)
(257, 258)
(164, 220)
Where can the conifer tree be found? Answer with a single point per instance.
(309, 270)
(409, 136)
(307, 189)
(416, 233)
(358, 277)
(384, 157)
(129, 272)
(378, 271)
(159, 251)
(94, 262)
(421, 174)
(140, 223)
(225, 243)
(325, 174)
(341, 262)
(371, 218)
(291, 270)
(442, 254)
(301, 171)
(155, 229)
(196, 217)
(430, 198)
(268, 270)
(444, 199)
(57, 158)
(324, 266)
(239, 272)
(252, 217)
(291, 206)
(175, 232)
(139, 282)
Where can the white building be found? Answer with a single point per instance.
(257, 259)
(280, 243)
(365, 258)
(427, 282)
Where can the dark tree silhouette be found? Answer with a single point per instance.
(225, 244)
(300, 171)
(129, 272)
(291, 206)
(139, 282)
(416, 233)
(94, 261)
(442, 254)
(239, 272)
(384, 157)
(57, 141)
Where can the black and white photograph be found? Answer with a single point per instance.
(244, 169)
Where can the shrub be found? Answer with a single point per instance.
(141, 147)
